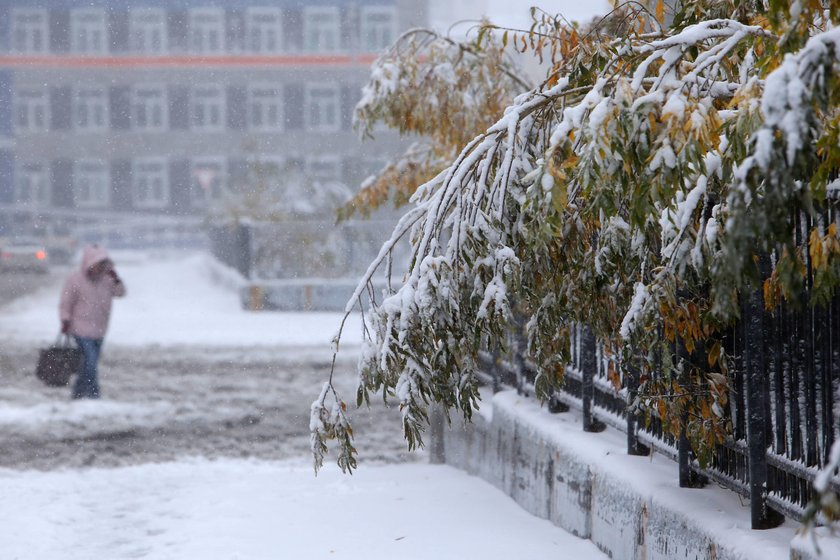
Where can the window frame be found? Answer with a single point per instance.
(310, 27)
(309, 102)
(143, 22)
(220, 181)
(266, 165)
(88, 96)
(256, 31)
(257, 94)
(102, 174)
(199, 32)
(313, 162)
(150, 202)
(141, 89)
(30, 108)
(80, 28)
(27, 28)
(367, 26)
(44, 189)
(199, 98)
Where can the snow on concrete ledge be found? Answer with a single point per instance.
(630, 507)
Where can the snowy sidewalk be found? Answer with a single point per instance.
(246, 510)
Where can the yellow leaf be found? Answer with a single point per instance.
(815, 248)
(714, 354)
(613, 376)
(660, 11)
(769, 295)
(660, 408)
(652, 121)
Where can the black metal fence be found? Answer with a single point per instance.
(231, 244)
(783, 406)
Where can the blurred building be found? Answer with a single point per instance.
(160, 107)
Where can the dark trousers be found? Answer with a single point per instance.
(87, 384)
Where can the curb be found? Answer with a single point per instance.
(631, 507)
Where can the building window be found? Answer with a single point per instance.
(208, 180)
(321, 108)
(265, 107)
(147, 28)
(87, 31)
(321, 29)
(207, 108)
(91, 184)
(267, 173)
(150, 183)
(29, 30)
(31, 109)
(148, 111)
(90, 109)
(267, 167)
(324, 169)
(264, 30)
(378, 27)
(207, 30)
(31, 186)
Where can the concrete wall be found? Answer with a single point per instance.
(630, 507)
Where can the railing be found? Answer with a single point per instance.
(783, 403)
(315, 248)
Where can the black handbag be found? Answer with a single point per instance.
(58, 363)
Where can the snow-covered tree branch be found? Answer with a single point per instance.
(632, 191)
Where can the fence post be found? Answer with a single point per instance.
(688, 477)
(519, 365)
(762, 516)
(555, 405)
(243, 249)
(496, 357)
(587, 376)
(634, 446)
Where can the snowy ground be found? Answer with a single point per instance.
(199, 448)
(249, 510)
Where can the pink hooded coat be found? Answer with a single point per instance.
(86, 303)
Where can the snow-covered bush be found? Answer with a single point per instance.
(632, 191)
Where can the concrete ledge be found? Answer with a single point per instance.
(299, 294)
(630, 507)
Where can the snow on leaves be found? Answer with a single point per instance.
(628, 192)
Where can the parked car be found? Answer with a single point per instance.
(59, 241)
(23, 253)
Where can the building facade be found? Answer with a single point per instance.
(161, 106)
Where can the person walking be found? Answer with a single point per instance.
(85, 309)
